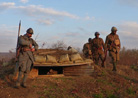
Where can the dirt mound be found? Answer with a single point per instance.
(102, 84)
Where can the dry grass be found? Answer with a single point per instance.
(102, 84)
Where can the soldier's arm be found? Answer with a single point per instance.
(106, 42)
(119, 42)
(83, 48)
(35, 45)
(23, 42)
(103, 44)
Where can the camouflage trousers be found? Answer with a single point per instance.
(114, 56)
(24, 69)
(98, 56)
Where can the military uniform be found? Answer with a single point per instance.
(26, 57)
(113, 45)
(97, 49)
(87, 50)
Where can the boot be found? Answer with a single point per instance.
(96, 62)
(103, 64)
(24, 85)
(114, 66)
(18, 80)
(24, 80)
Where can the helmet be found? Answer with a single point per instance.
(97, 33)
(89, 40)
(30, 30)
(113, 29)
(69, 47)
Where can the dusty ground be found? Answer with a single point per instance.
(102, 84)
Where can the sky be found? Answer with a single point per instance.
(70, 21)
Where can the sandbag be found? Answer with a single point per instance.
(40, 59)
(64, 58)
(79, 61)
(75, 57)
(51, 59)
(88, 60)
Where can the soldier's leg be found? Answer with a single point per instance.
(28, 66)
(22, 68)
(117, 59)
(114, 60)
(102, 59)
(16, 69)
(19, 79)
(96, 58)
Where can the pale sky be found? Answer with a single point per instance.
(70, 21)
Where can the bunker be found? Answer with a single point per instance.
(73, 67)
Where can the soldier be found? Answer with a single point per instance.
(98, 49)
(27, 47)
(113, 45)
(87, 49)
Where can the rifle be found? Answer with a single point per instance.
(17, 50)
(17, 46)
(104, 58)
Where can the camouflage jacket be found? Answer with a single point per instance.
(24, 42)
(98, 44)
(112, 42)
(87, 47)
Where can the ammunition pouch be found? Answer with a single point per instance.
(26, 49)
(90, 52)
(114, 49)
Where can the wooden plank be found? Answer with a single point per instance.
(58, 64)
(47, 52)
(73, 74)
(78, 70)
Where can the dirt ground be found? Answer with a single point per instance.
(102, 84)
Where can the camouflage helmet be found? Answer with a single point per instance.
(30, 31)
(113, 29)
(97, 33)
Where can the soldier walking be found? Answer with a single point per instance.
(98, 49)
(27, 46)
(113, 45)
(87, 49)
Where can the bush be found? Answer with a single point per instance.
(128, 56)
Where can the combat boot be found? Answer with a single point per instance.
(114, 66)
(103, 64)
(24, 80)
(17, 85)
(18, 80)
(24, 85)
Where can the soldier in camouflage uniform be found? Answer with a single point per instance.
(113, 45)
(98, 49)
(87, 49)
(27, 46)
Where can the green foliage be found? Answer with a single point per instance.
(111, 96)
(134, 67)
(130, 91)
(128, 56)
(103, 73)
(100, 95)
